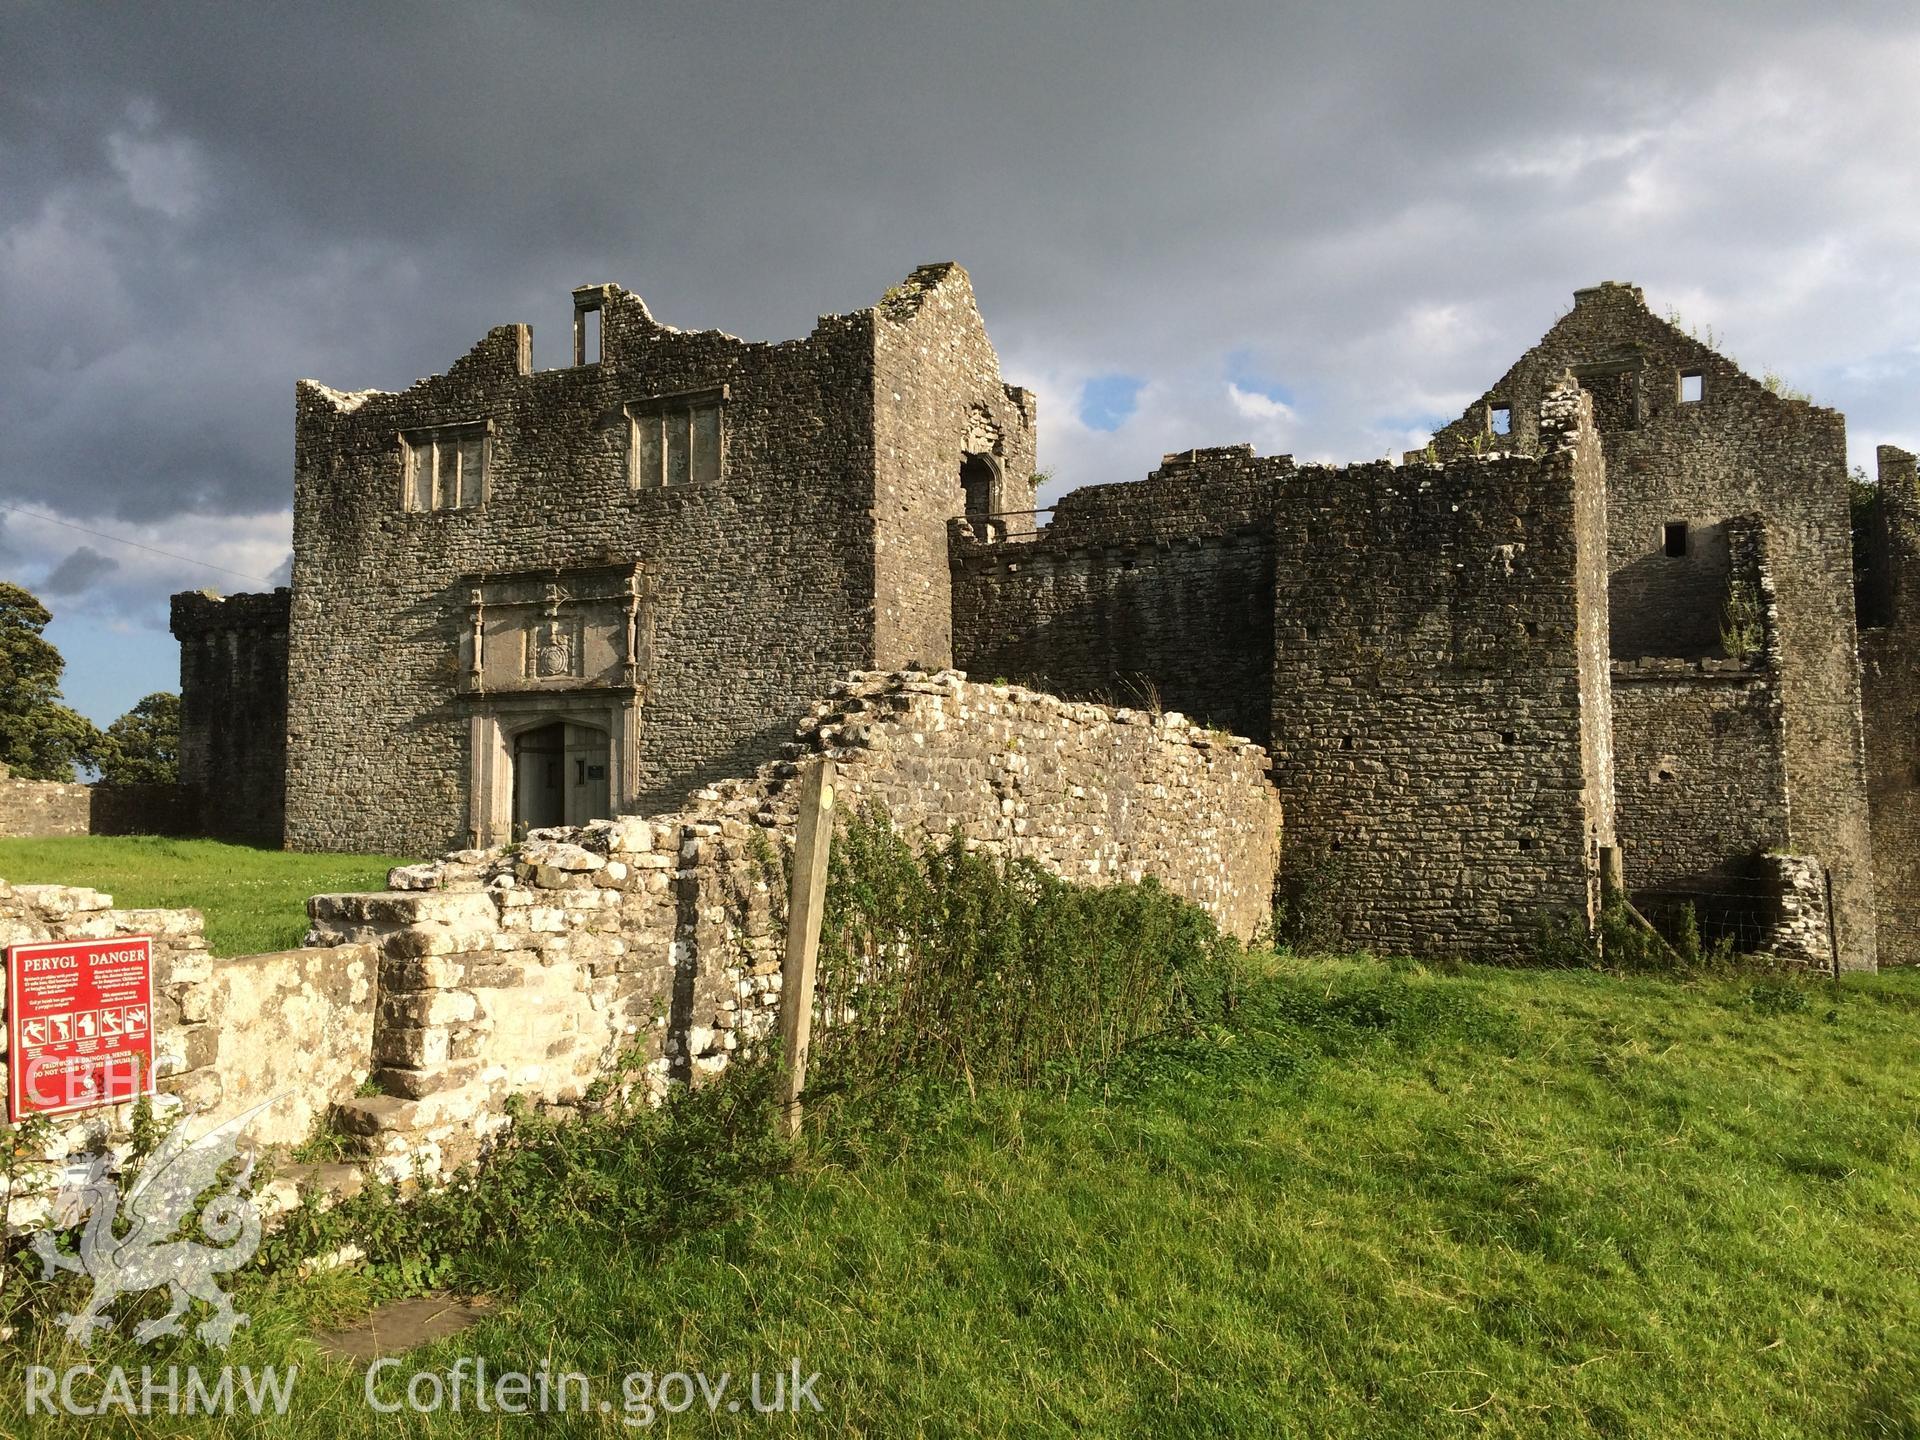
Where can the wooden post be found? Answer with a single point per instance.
(1613, 873)
(812, 836)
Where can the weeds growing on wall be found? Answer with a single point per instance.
(620, 1175)
(1309, 903)
(952, 965)
(1742, 627)
(941, 973)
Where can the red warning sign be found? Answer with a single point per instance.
(77, 1012)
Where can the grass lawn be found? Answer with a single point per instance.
(254, 900)
(1385, 1202)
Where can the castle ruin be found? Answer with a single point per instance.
(1612, 608)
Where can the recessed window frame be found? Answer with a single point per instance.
(1495, 410)
(677, 441)
(1699, 379)
(1676, 539)
(589, 324)
(459, 458)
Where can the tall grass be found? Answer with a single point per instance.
(950, 964)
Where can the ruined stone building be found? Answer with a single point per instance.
(1613, 605)
(1440, 654)
(523, 598)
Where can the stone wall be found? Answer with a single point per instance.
(1890, 673)
(1155, 593)
(751, 589)
(295, 1027)
(38, 809)
(34, 809)
(1800, 930)
(1700, 783)
(938, 397)
(233, 711)
(1740, 449)
(1440, 711)
(532, 971)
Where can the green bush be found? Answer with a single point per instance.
(1309, 907)
(951, 965)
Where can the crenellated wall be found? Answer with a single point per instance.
(233, 711)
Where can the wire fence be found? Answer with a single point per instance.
(1746, 915)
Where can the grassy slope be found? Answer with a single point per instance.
(254, 900)
(1389, 1203)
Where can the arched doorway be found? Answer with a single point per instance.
(559, 776)
(976, 484)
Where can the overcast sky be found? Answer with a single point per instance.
(1319, 229)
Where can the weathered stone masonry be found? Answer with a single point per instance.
(1440, 712)
(35, 809)
(293, 1027)
(620, 620)
(31, 809)
(1706, 777)
(1425, 647)
(1155, 593)
(530, 971)
(1716, 489)
(1679, 471)
(1890, 665)
(233, 711)
(680, 627)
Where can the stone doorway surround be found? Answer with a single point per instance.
(546, 647)
(493, 728)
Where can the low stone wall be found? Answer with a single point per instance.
(34, 809)
(37, 809)
(295, 1027)
(531, 971)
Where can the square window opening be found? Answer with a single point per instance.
(445, 469)
(1673, 540)
(676, 441)
(1692, 386)
(1500, 419)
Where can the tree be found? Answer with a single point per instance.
(143, 745)
(41, 738)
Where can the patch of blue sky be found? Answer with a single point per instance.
(1246, 375)
(1108, 401)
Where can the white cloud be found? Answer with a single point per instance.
(1256, 406)
(162, 173)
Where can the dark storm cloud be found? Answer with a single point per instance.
(1371, 207)
(77, 573)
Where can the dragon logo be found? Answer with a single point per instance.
(149, 1251)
